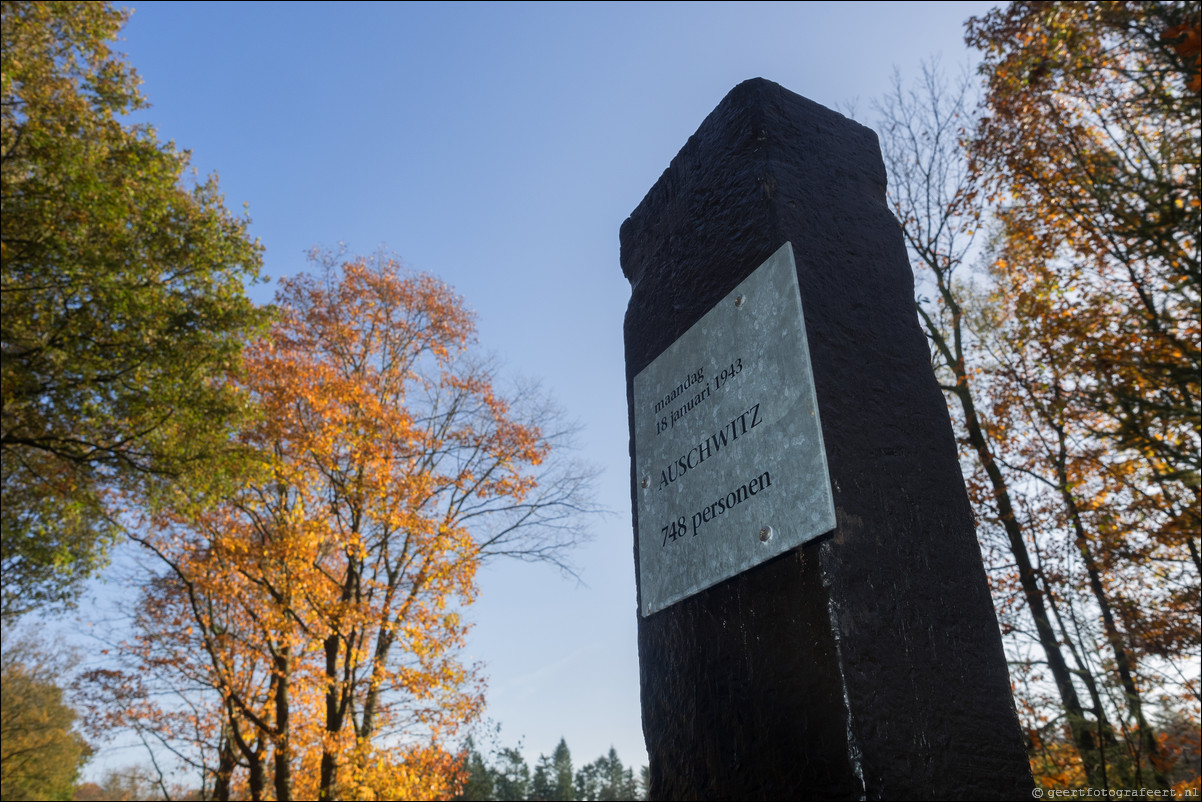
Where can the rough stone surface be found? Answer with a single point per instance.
(867, 664)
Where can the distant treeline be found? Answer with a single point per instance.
(506, 776)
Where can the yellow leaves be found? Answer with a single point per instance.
(342, 567)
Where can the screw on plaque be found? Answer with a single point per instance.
(766, 534)
(740, 300)
(646, 481)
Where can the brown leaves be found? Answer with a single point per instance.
(1186, 41)
(1090, 149)
(1071, 358)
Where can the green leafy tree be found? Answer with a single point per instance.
(40, 753)
(588, 782)
(511, 778)
(123, 294)
(540, 782)
(606, 780)
(553, 775)
(561, 763)
(479, 783)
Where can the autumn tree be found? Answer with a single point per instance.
(320, 605)
(41, 753)
(1093, 136)
(1069, 353)
(1091, 141)
(1090, 145)
(938, 200)
(122, 293)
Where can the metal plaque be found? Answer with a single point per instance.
(730, 468)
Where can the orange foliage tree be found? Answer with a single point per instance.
(318, 607)
(938, 200)
(1090, 145)
(1071, 360)
(1090, 141)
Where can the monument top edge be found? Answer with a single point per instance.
(751, 114)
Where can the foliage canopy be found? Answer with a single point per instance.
(1072, 358)
(123, 298)
(315, 614)
(41, 754)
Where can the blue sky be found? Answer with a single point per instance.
(500, 146)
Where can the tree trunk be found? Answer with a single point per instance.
(225, 769)
(1122, 659)
(1078, 726)
(334, 720)
(283, 741)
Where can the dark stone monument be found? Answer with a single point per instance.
(866, 663)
